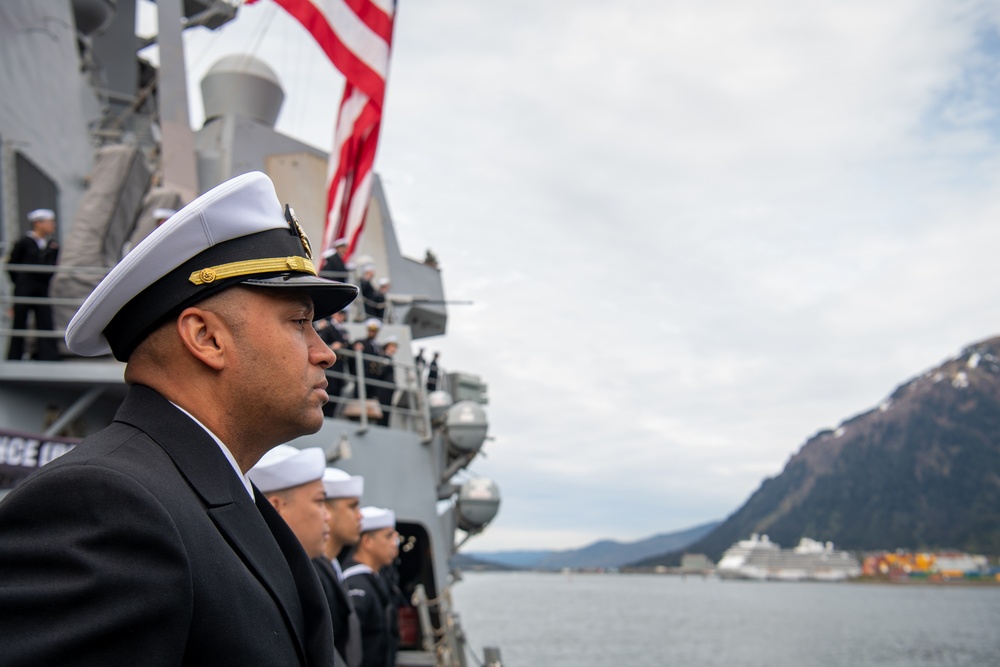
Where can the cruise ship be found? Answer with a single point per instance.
(761, 559)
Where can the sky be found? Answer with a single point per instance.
(694, 233)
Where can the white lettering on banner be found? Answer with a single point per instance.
(53, 450)
(30, 452)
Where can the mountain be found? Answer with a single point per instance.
(470, 564)
(602, 554)
(920, 471)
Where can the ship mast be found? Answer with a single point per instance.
(180, 167)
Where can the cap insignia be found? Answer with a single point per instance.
(293, 223)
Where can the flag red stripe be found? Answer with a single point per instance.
(373, 16)
(366, 27)
(353, 68)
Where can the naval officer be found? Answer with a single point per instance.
(343, 501)
(147, 544)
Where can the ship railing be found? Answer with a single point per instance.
(407, 409)
(357, 308)
(8, 299)
(447, 641)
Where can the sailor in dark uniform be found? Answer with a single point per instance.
(37, 247)
(372, 297)
(333, 261)
(369, 352)
(370, 592)
(335, 335)
(387, 390)
(343, 501)
(147, 544)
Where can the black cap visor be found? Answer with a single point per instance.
(328, 296)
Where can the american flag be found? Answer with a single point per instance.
(357, 37)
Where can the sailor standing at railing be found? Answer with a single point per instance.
(37, 247)
(333, 261)
(368, 360)
(335, 334)
(387, 390)
(372, 296)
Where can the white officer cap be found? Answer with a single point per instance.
(339, 242)
(374, 518)
(163, 213)
(236, 233)
(285, 466)
(373, 323)
(339, 484)
(41, 214)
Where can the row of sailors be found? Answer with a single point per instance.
(373, 292)
(376, 362)
(353, 549)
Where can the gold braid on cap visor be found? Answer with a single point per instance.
(251, 266)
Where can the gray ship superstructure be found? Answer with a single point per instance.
(759, 558)
(92, 131)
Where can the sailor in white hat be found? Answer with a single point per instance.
(292, 481)
(385, 391)
(368, 354)
(370, 589)
(372, 297)
(212, 313)
(40, 214)
(161, 215)
(334, 260)
(343, 501)
(369, 344)
(39, 248)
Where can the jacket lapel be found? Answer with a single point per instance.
(247, 529)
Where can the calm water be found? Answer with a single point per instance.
(557, 620)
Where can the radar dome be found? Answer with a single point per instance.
(478, 502)
(466, 426)
(439, 402)
(241, 84)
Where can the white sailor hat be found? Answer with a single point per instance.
(233, 234)
(365, 268)
(340, 242)
(339, 484)
(390, 340)
(163, 213)
(374, 518)
(373, 323)
(41, 214)
(285, 466)
(384, 281)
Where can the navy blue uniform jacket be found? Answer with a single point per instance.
(142, 547)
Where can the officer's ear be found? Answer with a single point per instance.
(205, 335)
